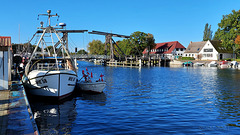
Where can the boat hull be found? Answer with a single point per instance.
(97, 87)
(55, 84)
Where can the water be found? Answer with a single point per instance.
(150, 100)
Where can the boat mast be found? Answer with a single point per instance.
(50, 30)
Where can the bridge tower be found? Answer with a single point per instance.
(109, 40)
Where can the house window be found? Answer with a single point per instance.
(192, 54)
(208, 50)
(209, 55)
(177, 49)
(181, 49)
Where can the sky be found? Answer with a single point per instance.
(167, 20)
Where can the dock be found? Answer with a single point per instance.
(16, 116)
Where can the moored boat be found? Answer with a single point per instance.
(212, 64)
(88, 85)
(198, 64)
(52, 73)
(187, 64)
(97, 86)
(223, 64)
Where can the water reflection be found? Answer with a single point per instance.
(99, 99)
(54, 118)
(228, 96)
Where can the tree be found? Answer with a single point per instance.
(237, 40)
(139, 41)
(150, 42)
(229, 28)
(125, 46)
(82, 51)
(96, 47)
(207, 33)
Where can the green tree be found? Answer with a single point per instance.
(96, 47)
(139, 41)
(207, 33)
(150, 42)
(125, 46)
(229, 28)
(82, 51)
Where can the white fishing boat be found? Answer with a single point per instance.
(51, 73)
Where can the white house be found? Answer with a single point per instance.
(213, 50)
(193, 49)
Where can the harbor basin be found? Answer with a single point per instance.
(148, 100)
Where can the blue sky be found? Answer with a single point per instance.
(167, 20)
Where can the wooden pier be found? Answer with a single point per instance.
(150, 61)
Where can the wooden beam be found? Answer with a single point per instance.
(106, 33)
(66, 31)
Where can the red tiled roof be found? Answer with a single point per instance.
(170, 45)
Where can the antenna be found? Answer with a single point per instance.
(49, 16)
(19, 33)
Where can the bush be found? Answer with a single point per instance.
(228, 59)
(188, 58)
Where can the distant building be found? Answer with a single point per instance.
(213, 50)
(170, 50)
(193, 49)
(207, 50)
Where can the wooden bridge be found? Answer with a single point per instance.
(127, 61)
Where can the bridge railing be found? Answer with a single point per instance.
(86, 56)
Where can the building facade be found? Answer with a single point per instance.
(169, 50)
(213, 50)
(207, 50)
(193, 49)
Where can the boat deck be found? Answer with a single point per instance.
(15, 112)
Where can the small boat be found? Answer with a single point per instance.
(223, 64)
(97, 86)
(198, 64)
(187, 64)
(212, 64)
(234, 64)
(88, 85)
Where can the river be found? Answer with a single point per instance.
(148, 100)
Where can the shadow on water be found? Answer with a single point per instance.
(57, 117)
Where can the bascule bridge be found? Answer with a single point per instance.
(109, 40)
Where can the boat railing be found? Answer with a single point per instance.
(51, 66)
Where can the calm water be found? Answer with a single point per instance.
(154, 100)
